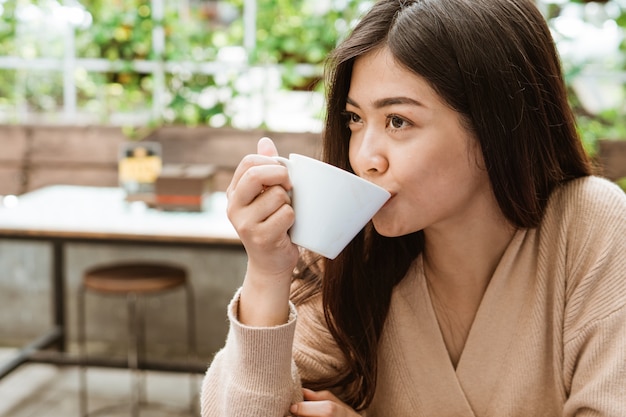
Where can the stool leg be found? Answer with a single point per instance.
(141, 349)
(192, 348)
(82, 352)
(133, 363)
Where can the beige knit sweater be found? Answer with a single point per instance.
(549, 338)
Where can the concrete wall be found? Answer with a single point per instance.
(33, 157)
(26, 307)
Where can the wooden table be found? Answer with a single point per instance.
(96, 215)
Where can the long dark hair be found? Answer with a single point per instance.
(495, 63)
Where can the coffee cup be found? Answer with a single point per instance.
(331, 205)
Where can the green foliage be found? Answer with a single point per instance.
(197, 100)
(609, 123)
(121, 30)
(291, 32)
(288, 33)
(7, 29)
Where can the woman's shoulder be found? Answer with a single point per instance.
(584, 222)
(591, 188)
(587, 200)
(585, 227)
(584, 238)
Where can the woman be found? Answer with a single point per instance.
(492, 283)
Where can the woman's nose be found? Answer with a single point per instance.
(368, 156)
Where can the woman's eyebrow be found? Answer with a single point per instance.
(388, 101)
(352, 103)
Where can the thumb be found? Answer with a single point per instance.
(266, 147)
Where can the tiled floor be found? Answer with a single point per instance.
(41, 390)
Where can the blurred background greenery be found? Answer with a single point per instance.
(590, 38)
(170, 61)
(242, 63)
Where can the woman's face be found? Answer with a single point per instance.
(407, 140)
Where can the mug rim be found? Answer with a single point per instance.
(359, 179)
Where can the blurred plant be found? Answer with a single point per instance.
(120, 30)
(7, 28)
(7, 48)
(123, 30)
(609, 124)
(593, 66)
(291, 32)
(198, 37)
(198, 99)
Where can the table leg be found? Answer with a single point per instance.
(25, 353)
(58, 292)
(57, 335)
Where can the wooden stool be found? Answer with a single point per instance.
(133, 280)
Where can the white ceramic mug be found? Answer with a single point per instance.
(331, 205)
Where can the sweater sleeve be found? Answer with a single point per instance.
(316, 353)
(594, 332)
(253, 374)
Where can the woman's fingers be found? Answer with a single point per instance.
(258, 198)
(321, 404)
(310, 395)
(267, 219)
(269, 200)
(265, 149)
(252, 162)
(259, 207)
(266, 146)
(256, 176)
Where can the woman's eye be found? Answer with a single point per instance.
(396, 122)
(351, 117)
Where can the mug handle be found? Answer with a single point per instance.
(287, 163)
(282, 160)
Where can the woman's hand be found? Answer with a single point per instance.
(259, 207)
(321, 404)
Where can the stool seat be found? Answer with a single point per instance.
(134, 278)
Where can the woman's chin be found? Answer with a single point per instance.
(385, 229)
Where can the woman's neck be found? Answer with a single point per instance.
(465, 256)
(458, 266)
